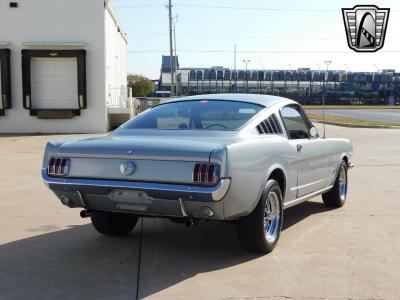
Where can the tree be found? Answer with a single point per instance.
(141, 86)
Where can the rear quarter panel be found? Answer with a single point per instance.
(340, 148)
(249, 164)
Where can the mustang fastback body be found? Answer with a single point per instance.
(210, 157)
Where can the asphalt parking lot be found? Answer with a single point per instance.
(376, 115)
(47, 251)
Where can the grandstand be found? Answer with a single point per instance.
(304, 85)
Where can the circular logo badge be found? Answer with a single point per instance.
(127, 167)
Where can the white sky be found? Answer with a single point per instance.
(310, 26)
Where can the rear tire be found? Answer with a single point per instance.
(260, 230)
(336, 197)
(114, 224)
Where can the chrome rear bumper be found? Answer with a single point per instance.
(159, 199)
(155, 190)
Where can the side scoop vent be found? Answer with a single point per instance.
(270, 126)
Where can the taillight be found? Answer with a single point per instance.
(205, 173)
(58, 166)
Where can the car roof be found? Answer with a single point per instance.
(264, 100)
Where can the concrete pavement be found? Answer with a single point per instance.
(48, 251)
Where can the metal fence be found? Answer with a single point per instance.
(119, 97)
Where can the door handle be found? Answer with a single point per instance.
(299, 147)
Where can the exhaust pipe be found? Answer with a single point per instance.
(189, 223)
(193, 222)
(86, 213)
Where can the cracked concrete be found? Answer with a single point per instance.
(48, 251)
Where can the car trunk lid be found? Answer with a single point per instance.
(155, 158)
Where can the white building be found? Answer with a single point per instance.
(62, 64)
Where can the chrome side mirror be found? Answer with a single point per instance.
(314, 132)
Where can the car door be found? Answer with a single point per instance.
(312, 153)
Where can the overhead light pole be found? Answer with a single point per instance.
(246, 62)
(234, 58)
(259, 81)
(327, 63)
(291, 76)
(234, 68)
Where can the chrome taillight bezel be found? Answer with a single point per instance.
(58, 166)
(205, 173)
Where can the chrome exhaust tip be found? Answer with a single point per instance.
(86, 213)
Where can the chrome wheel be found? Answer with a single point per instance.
(343, 182)
(272, 214)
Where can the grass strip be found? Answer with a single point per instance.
(344, 120)
(310, 107)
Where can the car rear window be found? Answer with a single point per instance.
(196, 115)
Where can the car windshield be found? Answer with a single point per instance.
(196, 115)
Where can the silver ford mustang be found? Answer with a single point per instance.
(231, 157)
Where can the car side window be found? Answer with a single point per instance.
(294, 122)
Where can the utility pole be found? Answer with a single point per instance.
(171, 49)
(176, 57)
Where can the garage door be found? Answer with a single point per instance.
(1, 90)
(54, 83)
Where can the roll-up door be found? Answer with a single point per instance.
(1, 89)
(5, 81)
(54, 83)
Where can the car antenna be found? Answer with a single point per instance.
(323, 113)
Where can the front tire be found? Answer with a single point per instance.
(336, 197)
(114, 224)
(260, 230)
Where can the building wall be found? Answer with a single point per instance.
(116, 60)
(116, 66)
(61, 21)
